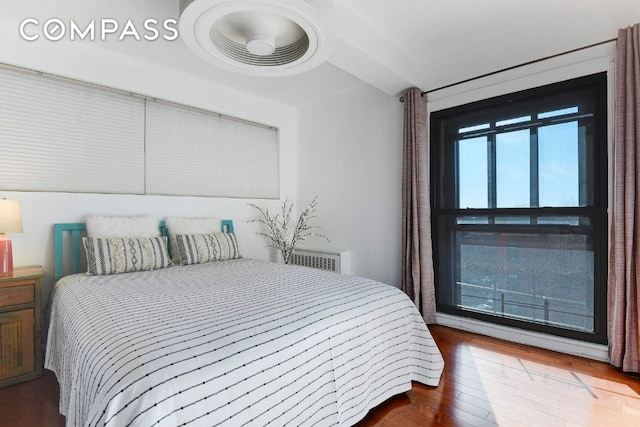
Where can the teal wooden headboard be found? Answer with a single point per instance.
(75, 230)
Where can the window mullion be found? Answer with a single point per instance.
(585, 185)
(492, 172)
(534, 174)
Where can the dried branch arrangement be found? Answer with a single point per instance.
(278, 227)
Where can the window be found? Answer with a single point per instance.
(519, 209)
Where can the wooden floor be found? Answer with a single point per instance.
(486, 382)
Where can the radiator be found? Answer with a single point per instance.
(325, 259)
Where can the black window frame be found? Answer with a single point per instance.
(445, 212)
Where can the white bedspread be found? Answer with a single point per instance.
(240, 342)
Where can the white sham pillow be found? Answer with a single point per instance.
(122, 226)
(186, 225)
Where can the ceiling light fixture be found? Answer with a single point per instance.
(259, 37)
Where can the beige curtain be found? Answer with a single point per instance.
(624, 261)
(417, 260)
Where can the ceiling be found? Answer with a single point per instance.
(392, 45)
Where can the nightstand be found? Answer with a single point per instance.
(20, 352)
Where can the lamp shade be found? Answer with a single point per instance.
(10, 218)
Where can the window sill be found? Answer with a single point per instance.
(549, 342)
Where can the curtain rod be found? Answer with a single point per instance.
(524, 64)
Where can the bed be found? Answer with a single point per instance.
(235, 342)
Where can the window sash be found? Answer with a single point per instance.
(447, 260)
(493, 143)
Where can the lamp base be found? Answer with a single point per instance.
(6, 255)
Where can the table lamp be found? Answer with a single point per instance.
(10, 222)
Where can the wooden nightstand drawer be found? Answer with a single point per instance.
(16, 295)
(20, 347)
(17, 343)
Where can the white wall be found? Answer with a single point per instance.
(87, 63)
(350, 156)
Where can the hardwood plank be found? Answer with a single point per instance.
(528, 386)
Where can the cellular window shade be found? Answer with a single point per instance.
(192, 152)
(60, 135)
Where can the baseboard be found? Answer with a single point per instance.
(549, 342)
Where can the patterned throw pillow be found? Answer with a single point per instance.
(123, 255)
(185, 225)
(200, 248)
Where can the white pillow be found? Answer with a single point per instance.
(122, 226)
(184, 225)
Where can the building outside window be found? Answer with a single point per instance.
(519, 196)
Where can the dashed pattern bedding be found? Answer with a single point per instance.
(233, 343)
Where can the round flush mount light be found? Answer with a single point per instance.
(259, 37)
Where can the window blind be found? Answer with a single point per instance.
(199, 153)
(61, 135)
(57, 134)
